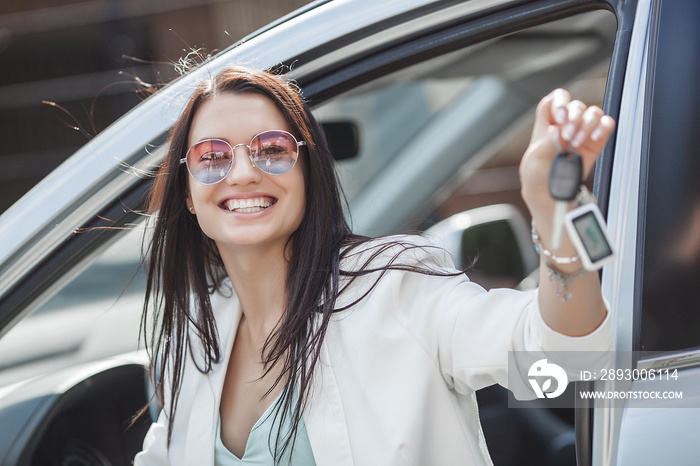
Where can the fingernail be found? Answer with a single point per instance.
(578, 140)
(574, 114)
(596, 134)
(560, 115)
(568, 132)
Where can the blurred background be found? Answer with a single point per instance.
(87, 57)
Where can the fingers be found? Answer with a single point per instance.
(578, 124)
(593, 131)
(561, 123)
(589, 122)
(604, 129)
(575, 110)
(555, 137)
(560, 101)
(552, 108)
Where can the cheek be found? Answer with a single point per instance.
(197, 193)
(303, 179)
(296, 202)
(190, 190)
(298, 210)
(198, 196)
(301, 193)
(302, 210)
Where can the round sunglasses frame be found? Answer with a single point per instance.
(250, 154)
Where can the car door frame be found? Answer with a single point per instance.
(592, 441)
(614, 438)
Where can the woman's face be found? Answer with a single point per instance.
(248, 208)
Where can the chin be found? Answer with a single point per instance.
(249, 241)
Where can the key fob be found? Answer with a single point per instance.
(586, 229)
(565, 176)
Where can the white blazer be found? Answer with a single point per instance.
(398, 371)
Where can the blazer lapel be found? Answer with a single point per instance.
(204, 414)
(325, 417)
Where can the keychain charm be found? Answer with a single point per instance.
(587, 231)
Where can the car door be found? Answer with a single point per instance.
(653, 210)
(361, 91)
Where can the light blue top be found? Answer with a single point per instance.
(257, 450)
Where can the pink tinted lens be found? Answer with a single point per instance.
(209, 161)
(274, 152)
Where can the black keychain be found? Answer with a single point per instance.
(564, 183)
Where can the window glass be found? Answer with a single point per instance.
(439, 147)
(671, 269)
(446, 135)
(436, 139)
(96, 315)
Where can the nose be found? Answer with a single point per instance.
(243, 171)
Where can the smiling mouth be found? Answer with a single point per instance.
(252, 205)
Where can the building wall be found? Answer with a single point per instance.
(85, 58)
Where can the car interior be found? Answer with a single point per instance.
(76, 431)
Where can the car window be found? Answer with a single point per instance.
(671, 247)
(96, 315)
(436, 139)
(447, 134)
(439, 147)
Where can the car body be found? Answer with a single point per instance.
(455, 85)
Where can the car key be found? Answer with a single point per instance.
(564, 183)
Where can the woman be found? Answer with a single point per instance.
(281, 336)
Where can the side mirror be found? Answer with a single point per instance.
(494, 240)
(343, 138)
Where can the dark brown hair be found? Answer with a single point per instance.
(185, 265)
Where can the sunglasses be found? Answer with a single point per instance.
(274, 152)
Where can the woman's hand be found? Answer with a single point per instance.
(563, 124)
(576, 127)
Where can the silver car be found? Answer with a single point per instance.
(428, 105)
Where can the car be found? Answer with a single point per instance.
(454, 85)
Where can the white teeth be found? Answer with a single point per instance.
(248, 205)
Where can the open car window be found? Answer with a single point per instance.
(96, 315)
(435, 139)
(446, 135)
